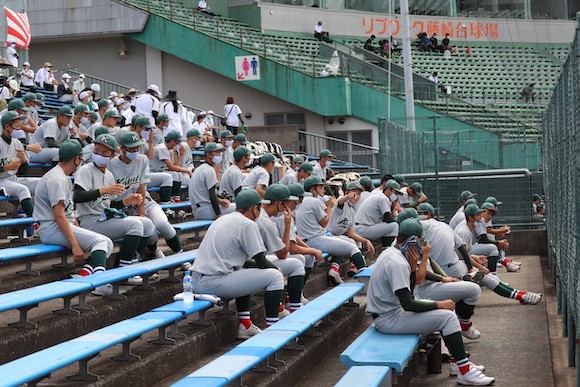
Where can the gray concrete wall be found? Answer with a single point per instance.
(285, 135)
(528, 242)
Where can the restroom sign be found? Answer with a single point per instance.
(247, 68)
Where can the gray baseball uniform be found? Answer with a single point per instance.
(258, 175)
(444, 244)
(8, 180)
(369, 218)
(232, 179)
(49, 129)
(308, 259)
(341, 219)
(469, 239)
(227, 160)
(290, 177)
(457, 218)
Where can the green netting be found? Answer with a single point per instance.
(562, 177)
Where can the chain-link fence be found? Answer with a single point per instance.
(562, 185)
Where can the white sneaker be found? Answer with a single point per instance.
(530, 298)
(512, 266)
(181, 214)
(185, 266)
(154, 277)
(244, 333)
(474, 378)
(471, 333)
(106, 290)
(352, 271)
(170, 213)
(334, 276)
(135, 281)
(303, 300)
(454, 369)
(76, 276)
(158, 254)
(285, 312)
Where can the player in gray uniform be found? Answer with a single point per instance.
(161, 129)
(367, 184)
(12, 161)
(312, 216)
(95, 194)
(88, 149)
(392, 303)
(278, 243)
(500, 232)
(259, 177)
(131, 169)
(341, 223)
(459, 215)
(50, 135)
(205, 203)
(465, 231)
(54, 211)
(322, 167)
(80, 121)
(231, 263)
(412, 195)
(163, 162)
(28, 125)
(183, 156)
(233, 178)
(375, 220)
(290, 174)
(227, 140)
(304, 172)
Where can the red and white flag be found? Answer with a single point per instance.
(18, 28)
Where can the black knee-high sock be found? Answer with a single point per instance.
(165, 194)
(295, 286)
(307, 274)
(174, 243)
(27, 206)
(176, 188)
(358, 260)
(463, 310)
(387, 241)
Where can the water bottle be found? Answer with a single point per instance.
(187, 288)
(29, 230)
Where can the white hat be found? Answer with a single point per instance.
(25, 64)
(82, 76)
(65, 75)
(83, 95)
(14, 85)
(155, 88)
(210, 112)
(120, 101)
(95, 87)
(202, 113)
(113, 94)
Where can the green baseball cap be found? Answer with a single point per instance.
(94, 116)
(135, 118)
(466, 195)
(226, 134)
(40, 96)
(162, 117)
(366, 181)
(305, 167)
(193, 133)
(247, 198)
(102, 130)
(65, 111)
(536, 197)
(102, 103)
(400, 179)
(296, 189)
(493, 200)
(426, 207)
(353, 185)
(108, 141)
(470, 201)
(111, 113)
(242, 151)
(241, 138)
(30, 97)
(17, 104)
(472, 209)
(297, 159)
(268, 158)
(488, 206)
(417, 187)
(10, 116)
(409, 213)
(277, 191)
(130, 140)
(81, 108)
(172, 136)
(143, 121)
(212, 146)
(412, 226)
(326, 153)
(69, 149)
(311, 181)
(394, 186)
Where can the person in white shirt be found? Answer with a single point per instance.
(12, 56)
(176, 112)
(202, 7)
(44, 77)
(233, 116)
(79, 84)
(148, 104)
(27, 75)
(201, 126)
(320, 34)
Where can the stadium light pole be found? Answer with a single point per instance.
(407, 65)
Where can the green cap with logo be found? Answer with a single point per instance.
(267, 158)
(102, 130)
(409, 213)
(10, 116)
(277, 191)
(466, 195)
(242, 151)
(296, 189)
(111, 113)
(353, 185)
(297, 159)
(326, 153)
(366, 181)
(130, 140)
(143, 121)
(30, 97)
(193, 133)
(65, 111)
(241, 138)
(17, 104)
(488, 206)
(211, 147)
(174, 135)
(69, 149)
(493, 200)
(426, 207)
(108, 141)
(312, 181)
(305, 167)
(102, 103)
(247, 198)
(226, 134)
(412, 226)
(392, 184)
(417, 187)
(472, 209)
(81, 108)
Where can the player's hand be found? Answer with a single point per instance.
(36, 148)
(13, 165)
(73, 131)
(83, 135)
(481, 259)
(318, 255)
(224, 203)
(426, 247)
(503, 244)
(330, 203)
(446, 304)
(181, 148)
(113, 189)
(287, 217)
(449, 279)
(485, 270)
(190, 173)
(78, 253)
(370, 247)
(133, 200)
(21, 155)
(413, 257)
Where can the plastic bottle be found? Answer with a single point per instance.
(29, 230)
(187, 288)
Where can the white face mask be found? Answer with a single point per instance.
(297, 168)
(393, 197)
(248, 163)
(328, 164)
(85, 121)
(131, 155)
(17, 133)
(217, 159)
(144, 134)
(176, 147)
(165, 127)
(101, 161)
(229, 143)
(197, 143)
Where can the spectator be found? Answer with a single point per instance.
(27, 75)
(433, 43)
(369, 45)
(529, 93)
(202, 7)
(79, 84)
(445, 43)
(148, 104)
(63, 91)
(320, 34)
(539, 218)
(131, 94)
(44, 77)
(434, 78)
(5, 92)
(232, 116)
(393, 45)
(455, 50)
(12, 56)
(536, 201)
(211, 123)
(95, 89)
(201, 126)
(324, 72)
(176, 112)
(423, 41)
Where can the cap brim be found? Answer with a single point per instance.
(265, 201)
(307, 194)
(421, 217)
(498, 203)
(134, 144)
(291, 197)
(419, 193)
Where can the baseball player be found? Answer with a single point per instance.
(231, 263)
(304, 170)
(259, 177)
(205, 202)
(183, 156)
(161, 129)
(381, 187)
(367, 184)
(322, 167)
(459, 215)
(375, 219)
(12, 161)
(500, 232)
(50, 135)
(227, 140)
(412, 195)
(29, 125)
(54, 211)
(80, 122)
(401, 180)
(131, 169)
(88, 149)
(290, 174)
(233, 178)
(312, 216)
(95, 194)
(163, 162)
(466, 232)
(395, 310)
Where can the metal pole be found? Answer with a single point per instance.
(571, 341)
(407, 65)
(436, 160)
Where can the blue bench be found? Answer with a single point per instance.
(28, 253)
(21, 223)
(174, 206)
(373, 348)
(193, 225)
(366, 376)
(156, 189)
(260, 350)
(39, 365)
(364, 276)
(40, 165)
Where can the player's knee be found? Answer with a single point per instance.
(103, 243)
(148, 227)
(473, 293)
(135, 227)
(296, 267)
(276, 279)
(450, 323)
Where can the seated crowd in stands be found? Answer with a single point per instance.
(263, 231)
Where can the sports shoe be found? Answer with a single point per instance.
(170, 213)
(154, 277)
(158, 254)
(136, 258)
(283, 313)
(530, 298)
(181, 214)
(506, 260)
(471, 333)
(454, 369)
(352, 271)
(185, 266)
(334, 277)
(106, 290)
(135, 281)
(511, 266)
(76, 275)
(244, 333)
(474, 377)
